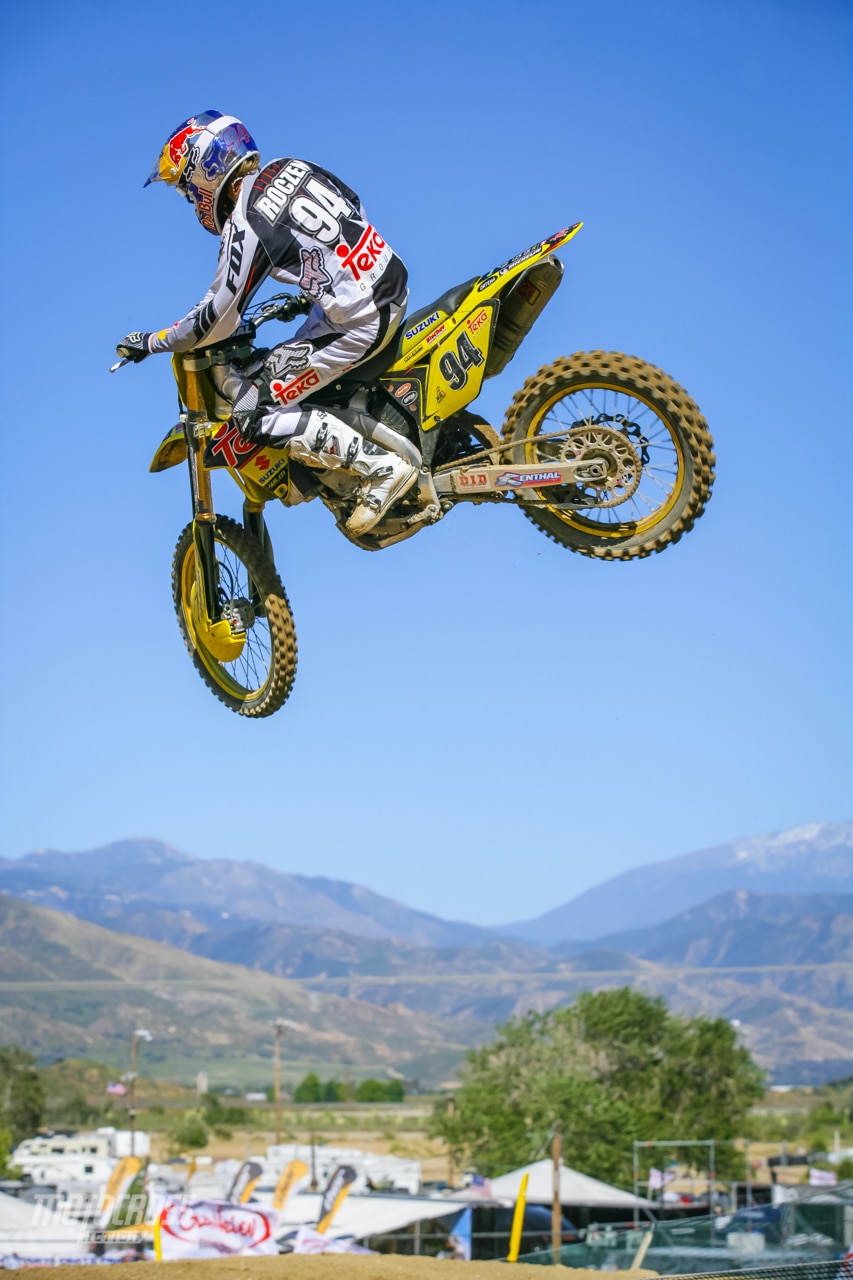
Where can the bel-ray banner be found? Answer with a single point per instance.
(336, 1192)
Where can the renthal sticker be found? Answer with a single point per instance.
(421, 325)
(473, 480)
(367, 260)
(279, 191)
(521, 479)
(403, 388)
(477, 320)
(436, 333)
(287, 392)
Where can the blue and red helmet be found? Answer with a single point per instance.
(200, 158)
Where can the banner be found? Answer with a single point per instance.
(822, 1178)
(336, 1192)
(244, 1181)
(213, 1229)
(117, 1187)
(288, 1180)
(658, 1179)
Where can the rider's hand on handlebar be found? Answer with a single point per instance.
(134, 347)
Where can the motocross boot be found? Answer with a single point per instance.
(330, 444)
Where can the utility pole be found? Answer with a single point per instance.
(136, 1036)
(556, 1204)
(279, 1026)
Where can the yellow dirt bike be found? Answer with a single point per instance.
(604, 453)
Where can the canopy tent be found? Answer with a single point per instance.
(34, 1231)
(575, 1188)
(367, 1215)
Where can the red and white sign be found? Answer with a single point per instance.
(286, 392)
(214, 1229)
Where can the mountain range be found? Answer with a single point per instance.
(761, 932)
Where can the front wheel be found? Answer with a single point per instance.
(248, 658)
(645, 447)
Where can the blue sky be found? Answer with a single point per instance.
(483, 724)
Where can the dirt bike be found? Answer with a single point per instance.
(602, 452)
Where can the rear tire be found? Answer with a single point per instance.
(659, 420)
(259, 679)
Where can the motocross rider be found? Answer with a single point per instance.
(301, 225)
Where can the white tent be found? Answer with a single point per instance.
(34, 1231)
(575, 1188)
(367, 1215)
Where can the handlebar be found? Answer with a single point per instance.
(281, 306)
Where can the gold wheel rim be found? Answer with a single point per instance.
(216, 669)
(577, 521)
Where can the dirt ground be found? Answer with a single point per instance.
(329, 1267)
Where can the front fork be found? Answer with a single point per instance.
(204, 516)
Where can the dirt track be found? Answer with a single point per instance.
(331, 1267)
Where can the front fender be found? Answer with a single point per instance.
(171, 450)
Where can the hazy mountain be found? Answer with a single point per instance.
(743, 928)
(70, 988)
(105, 885)
(806, 860)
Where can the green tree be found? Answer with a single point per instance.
(21, 1093)
(308, 1089)
(613, 1067)
(5, 1148)
(333, 1091)
(190, 1132)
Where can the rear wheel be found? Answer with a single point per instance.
(248, 658)
(646, 443)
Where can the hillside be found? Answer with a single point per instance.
(806, 860)
(70, 988)
(172, 894)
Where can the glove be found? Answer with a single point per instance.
(134, 347)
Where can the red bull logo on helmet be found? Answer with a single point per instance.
(175, 145)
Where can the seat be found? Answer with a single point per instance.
(376, 365)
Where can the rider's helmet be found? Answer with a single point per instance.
(201, 157)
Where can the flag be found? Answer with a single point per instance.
(823, 1178)
(213, 1229)
(116, 1189)
(336, 1192)
(288, 1180)
(118, 1090)
(460, 1238)
(481, 1185)
(244, 1181)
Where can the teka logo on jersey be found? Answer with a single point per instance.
(287, 392)
(518, 479)
(423, 324)
(279, 191)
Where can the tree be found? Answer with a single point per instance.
(308, 1089)
(613, 1067)
(190, 1132)
(21, 1093)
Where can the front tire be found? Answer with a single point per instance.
(257, 679)
(659, 486)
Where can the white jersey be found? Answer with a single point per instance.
(302, 226)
